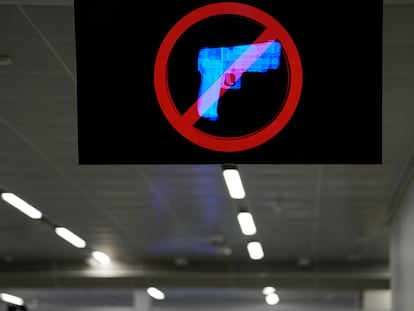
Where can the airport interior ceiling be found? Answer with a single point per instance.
(324, 228)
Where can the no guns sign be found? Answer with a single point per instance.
(273, 32)
(247, 82)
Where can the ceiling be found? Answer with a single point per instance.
(322, 227)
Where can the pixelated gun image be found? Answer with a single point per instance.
(222, 67)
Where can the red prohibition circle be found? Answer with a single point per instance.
(184, 123)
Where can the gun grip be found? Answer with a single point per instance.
(208, 98)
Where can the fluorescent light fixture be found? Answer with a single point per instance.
(101, 257)
(246, 223)
(272, 299)
(155, 293)
(70, 237)
(255, 250)
(21, 205)
(268, 290)
(14, 300)
(234, 183)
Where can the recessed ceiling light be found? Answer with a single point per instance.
(234, 183)
(246, 223)
(12, 299)
(70, 237)
(101, 257)
(255, 250)
(272, 299)
(155, 293)
(268, 290)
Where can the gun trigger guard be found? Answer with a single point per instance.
(229, 80)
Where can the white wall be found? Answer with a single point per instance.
(402, 254)
(376, 300)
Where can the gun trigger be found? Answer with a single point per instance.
(229, 80)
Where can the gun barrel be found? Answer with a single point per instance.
(230, 52)
(260, 56)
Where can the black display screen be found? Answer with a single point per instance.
(248, 82)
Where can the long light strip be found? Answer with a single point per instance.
(255, 250)
(246, 223)
(155, 293)
(234, 183)
(12, 299)
(21, 205)
(70, 237)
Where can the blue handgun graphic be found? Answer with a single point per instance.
(222, 67)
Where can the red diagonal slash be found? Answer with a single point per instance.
(191, 115)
